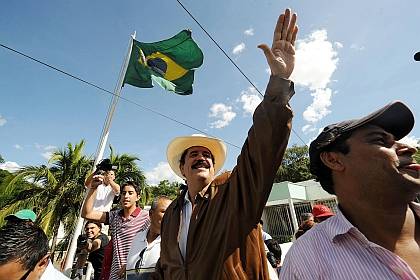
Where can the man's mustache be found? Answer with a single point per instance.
(201, 162)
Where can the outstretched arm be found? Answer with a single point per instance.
(267, 140)
(87, 208)
(281, 55)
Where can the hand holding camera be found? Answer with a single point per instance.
(82, 241)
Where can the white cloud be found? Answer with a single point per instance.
(223, 115)
(250, 99)
(17, 147)
(161, 172)
(357, 47)
(47, 150)
(316, 61)
(3, 121)
(239, 48)
(249, 32)
(10, 166)
(50, 147)
(411, 140)
(308, 128)
(319, 107)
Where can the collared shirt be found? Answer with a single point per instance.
(185, 224)
(151, 254)
(335, 249)
(51, 273)
(123, 231)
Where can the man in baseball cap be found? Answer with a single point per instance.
(210, 231)
(376, 231)
(321, 212)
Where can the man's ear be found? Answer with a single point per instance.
(42, 264)
(332, 160)
(181, 168)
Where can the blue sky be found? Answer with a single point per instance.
(352, 58)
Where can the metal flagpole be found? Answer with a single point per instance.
(100, 150)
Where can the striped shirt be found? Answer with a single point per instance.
(123, 231)
(335, 249)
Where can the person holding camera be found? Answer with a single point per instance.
(92, 243)
(108, 189)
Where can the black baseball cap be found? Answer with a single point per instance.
(395, 118)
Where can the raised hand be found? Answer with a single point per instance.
(281, 55)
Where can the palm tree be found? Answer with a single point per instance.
(56, 191)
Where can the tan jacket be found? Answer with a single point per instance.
(223, 239)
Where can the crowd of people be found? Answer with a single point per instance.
(212, 230)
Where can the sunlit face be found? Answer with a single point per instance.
(129, 197)
(14, 270)
(92, 230)
(198, 165)
(376, 159)
(156, 215)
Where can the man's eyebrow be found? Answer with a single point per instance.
(379, 133)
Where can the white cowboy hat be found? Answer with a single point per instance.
(178, 145)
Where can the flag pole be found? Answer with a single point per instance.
(100, 150)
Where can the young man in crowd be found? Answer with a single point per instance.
(105, 192)
(145, 248)
(24, 253)
(91, 246)
(124, 223)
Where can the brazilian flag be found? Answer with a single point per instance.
(168, 63)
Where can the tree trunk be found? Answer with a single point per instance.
(54, 241)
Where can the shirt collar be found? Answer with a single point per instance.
(338, 225)
(134, 214)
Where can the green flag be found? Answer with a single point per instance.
(168, 63)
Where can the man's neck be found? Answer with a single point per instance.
(385, 225)
(151, 235)
(128, 211)
(195, 187)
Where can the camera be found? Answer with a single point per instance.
(82, 241)
(103, 166)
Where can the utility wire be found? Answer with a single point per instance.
(230, 59)
(110, 92)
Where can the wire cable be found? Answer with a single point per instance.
(110, 92)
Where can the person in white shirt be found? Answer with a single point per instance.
(145, 248)
(24, 253)
(108, 189)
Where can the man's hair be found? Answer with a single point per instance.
(22, 242)
(156, 201)
(324, 173)
(184, 154)
(306, 216)
(274, 247)
(132, 184)
(99, 225)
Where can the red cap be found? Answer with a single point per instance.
(320, 210)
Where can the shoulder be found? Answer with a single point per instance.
(103, 237)
(113, 214)
(304, 254)
(141, 235)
